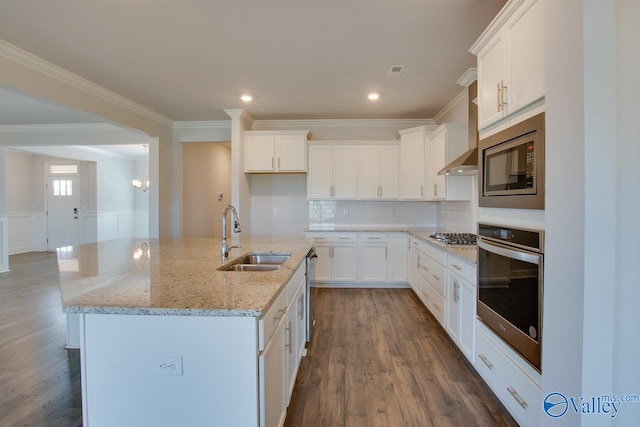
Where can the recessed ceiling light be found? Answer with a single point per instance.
(373, 96)
(246, 98)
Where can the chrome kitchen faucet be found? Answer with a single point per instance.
(224, 247)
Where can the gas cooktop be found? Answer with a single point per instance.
(455, 238)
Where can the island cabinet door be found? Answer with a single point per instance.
(272, 365)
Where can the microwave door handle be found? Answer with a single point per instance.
(510, 253)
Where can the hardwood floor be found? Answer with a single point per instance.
(39, 379)
(378, 358)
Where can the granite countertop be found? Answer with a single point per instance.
(178, 277)
(466, 253)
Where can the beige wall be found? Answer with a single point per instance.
(206, 172)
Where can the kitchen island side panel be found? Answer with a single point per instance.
(216, 384)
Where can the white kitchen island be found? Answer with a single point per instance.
(166, 339)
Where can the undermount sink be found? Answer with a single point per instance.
(257, 261)
(263, 258)
(251, 267)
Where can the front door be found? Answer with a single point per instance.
(63, 197)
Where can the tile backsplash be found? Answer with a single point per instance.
(451, 216)
(337, 212)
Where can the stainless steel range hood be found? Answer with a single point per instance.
(467, 164)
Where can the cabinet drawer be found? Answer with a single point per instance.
(434, 274)
(462, 268)
(372, 237)
(295, 282)
(333, 237)
(434, 302)
(437, 254)
(269, 321)
(519, 394)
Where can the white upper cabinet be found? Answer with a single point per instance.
(510, 61)
(275, 151)
(378, 172)
(412, 162)
(447, 142)
(332, 172)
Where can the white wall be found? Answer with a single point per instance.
(591, 339)
(109, 206)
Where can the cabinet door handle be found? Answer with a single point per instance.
(485, 361)
(288, 343)
(279, 315)
(436, 277)
(301, 306)
(517, 397)
(278, 162)
(456, 292)
(422, 191)
(272, 165)
(499, 99)
(385, 252)
(456, 266)
(503, 95)
(436, 306)
(426, 295)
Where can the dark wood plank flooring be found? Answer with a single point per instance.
(378, 358)
(39, 379)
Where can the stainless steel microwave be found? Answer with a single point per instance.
(511, 166)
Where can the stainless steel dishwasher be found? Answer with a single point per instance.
(312, 259)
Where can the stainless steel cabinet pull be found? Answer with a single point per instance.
(456, 266)
(499, 94)
(279, 315)
(301, 306)
(485, 361)
(288, 343)
(278, 162)
(456, 287)
(422, 191)
(436, 277)
(503, 95)
(517, 397)
(272, 165)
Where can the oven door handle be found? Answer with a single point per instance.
(510, 253)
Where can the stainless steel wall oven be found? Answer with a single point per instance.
(510, 286)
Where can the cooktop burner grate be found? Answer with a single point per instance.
(455, 238)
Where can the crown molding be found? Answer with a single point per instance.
(469, 76)
(451, 105)
(38, 64)
(212, 124)
(333, 123)
(241, 114)
(495, 25)
(66, 127)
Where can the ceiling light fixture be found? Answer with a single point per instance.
(144, 184)
(246, 98)
(373, 96)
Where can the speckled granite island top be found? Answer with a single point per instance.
(172, 277)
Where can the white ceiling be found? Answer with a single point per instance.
(300, 59)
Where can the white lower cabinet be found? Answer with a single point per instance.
(295, 331)
(461, 314)
(367, 257)
(516, 383)
(273, 408)
(283, 333)
(337, 256)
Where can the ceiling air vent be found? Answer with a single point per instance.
(395, 71)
